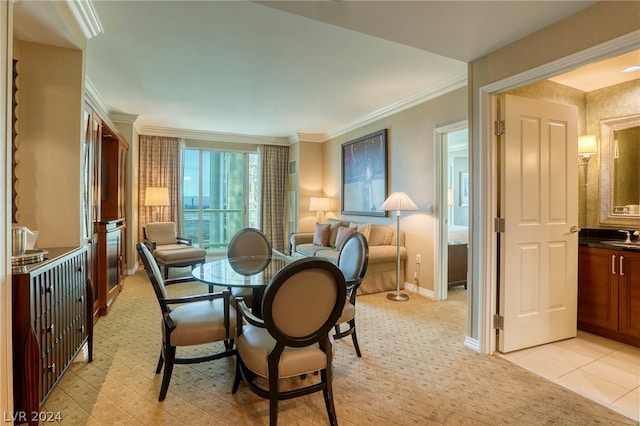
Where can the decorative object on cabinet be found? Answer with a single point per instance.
(398, 201)
(364, 175)
(52, 321)
(609, 293)
(156, 197)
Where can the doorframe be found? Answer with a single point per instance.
(485, 164)
(441, 257)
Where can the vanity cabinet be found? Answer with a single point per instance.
(609, 293)
(52, 321)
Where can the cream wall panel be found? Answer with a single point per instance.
(48, 155)
(310, 169)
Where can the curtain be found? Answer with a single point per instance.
(159, 166)
(274, 160)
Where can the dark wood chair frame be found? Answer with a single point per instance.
(168, 352)
(319, 336)
(352, 289)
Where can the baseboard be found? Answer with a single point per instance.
(421, 291)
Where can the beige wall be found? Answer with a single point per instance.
(411, 168)
(310, 169)
(50, 96)
(593, 26)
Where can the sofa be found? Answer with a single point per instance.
(381, 271)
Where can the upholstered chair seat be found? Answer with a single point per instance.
(199, 323)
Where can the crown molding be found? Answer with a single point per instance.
(81, 18)
(307, 137)
(94, 99)
(124, 118)
(211, 136)
(432, 92)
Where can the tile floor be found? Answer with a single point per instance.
(600, 369)
(414, 370)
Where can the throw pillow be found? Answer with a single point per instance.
(363, 228)
(335, 224)
(343, 233)
(321, 235)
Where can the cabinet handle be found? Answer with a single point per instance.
(51, 329)
(81, 329)
(621, 263)
(52, 368)
(613, 264)
(81, 299)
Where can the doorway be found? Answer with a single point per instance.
(486, 195)
(452, 145)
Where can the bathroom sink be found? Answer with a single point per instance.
(633, 245)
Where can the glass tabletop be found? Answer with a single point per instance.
(251, 272)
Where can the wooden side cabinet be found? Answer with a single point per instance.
(609, 293)
(457, 259)
(111, 264)
(52, 320)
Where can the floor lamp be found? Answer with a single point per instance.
(398, 201)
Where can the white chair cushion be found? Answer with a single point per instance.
(348, 312)
(200, 322)
(255, 344)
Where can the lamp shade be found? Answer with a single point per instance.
(450, 196)
(155, 196)
(399, 201)
(319, 204)
(587, 145)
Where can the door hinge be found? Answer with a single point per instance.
(499, 127)
(498, 322)
(499, 224)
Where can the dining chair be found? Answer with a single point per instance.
(188, 321)
(247, 242)
(301, 304)
(352, 261)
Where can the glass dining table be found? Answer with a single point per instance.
(254, 272)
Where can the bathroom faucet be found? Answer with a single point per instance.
(628, 240)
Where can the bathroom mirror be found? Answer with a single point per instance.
(620, 171)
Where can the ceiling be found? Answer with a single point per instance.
(310, 69)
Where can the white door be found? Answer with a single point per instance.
(539, 205)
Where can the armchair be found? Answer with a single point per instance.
(169, 249)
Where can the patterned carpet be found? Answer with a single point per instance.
(414, 371)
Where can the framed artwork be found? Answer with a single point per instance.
(364, 175)
(464, 189)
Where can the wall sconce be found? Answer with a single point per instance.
(587, 147)
(450, 201)
(156, 197)
(319, 205)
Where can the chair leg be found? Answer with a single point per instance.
(160, 363)
(327, 392)
(337, 327)
(352, 324)
(236, 380)
(273, 402)
(170, 352)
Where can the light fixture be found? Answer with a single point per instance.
(587, 147)
(319, 205)
(450, 201)
(398, 201)
(156, 197)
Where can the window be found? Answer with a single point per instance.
(221, 195)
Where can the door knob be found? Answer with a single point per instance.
(574, 229)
